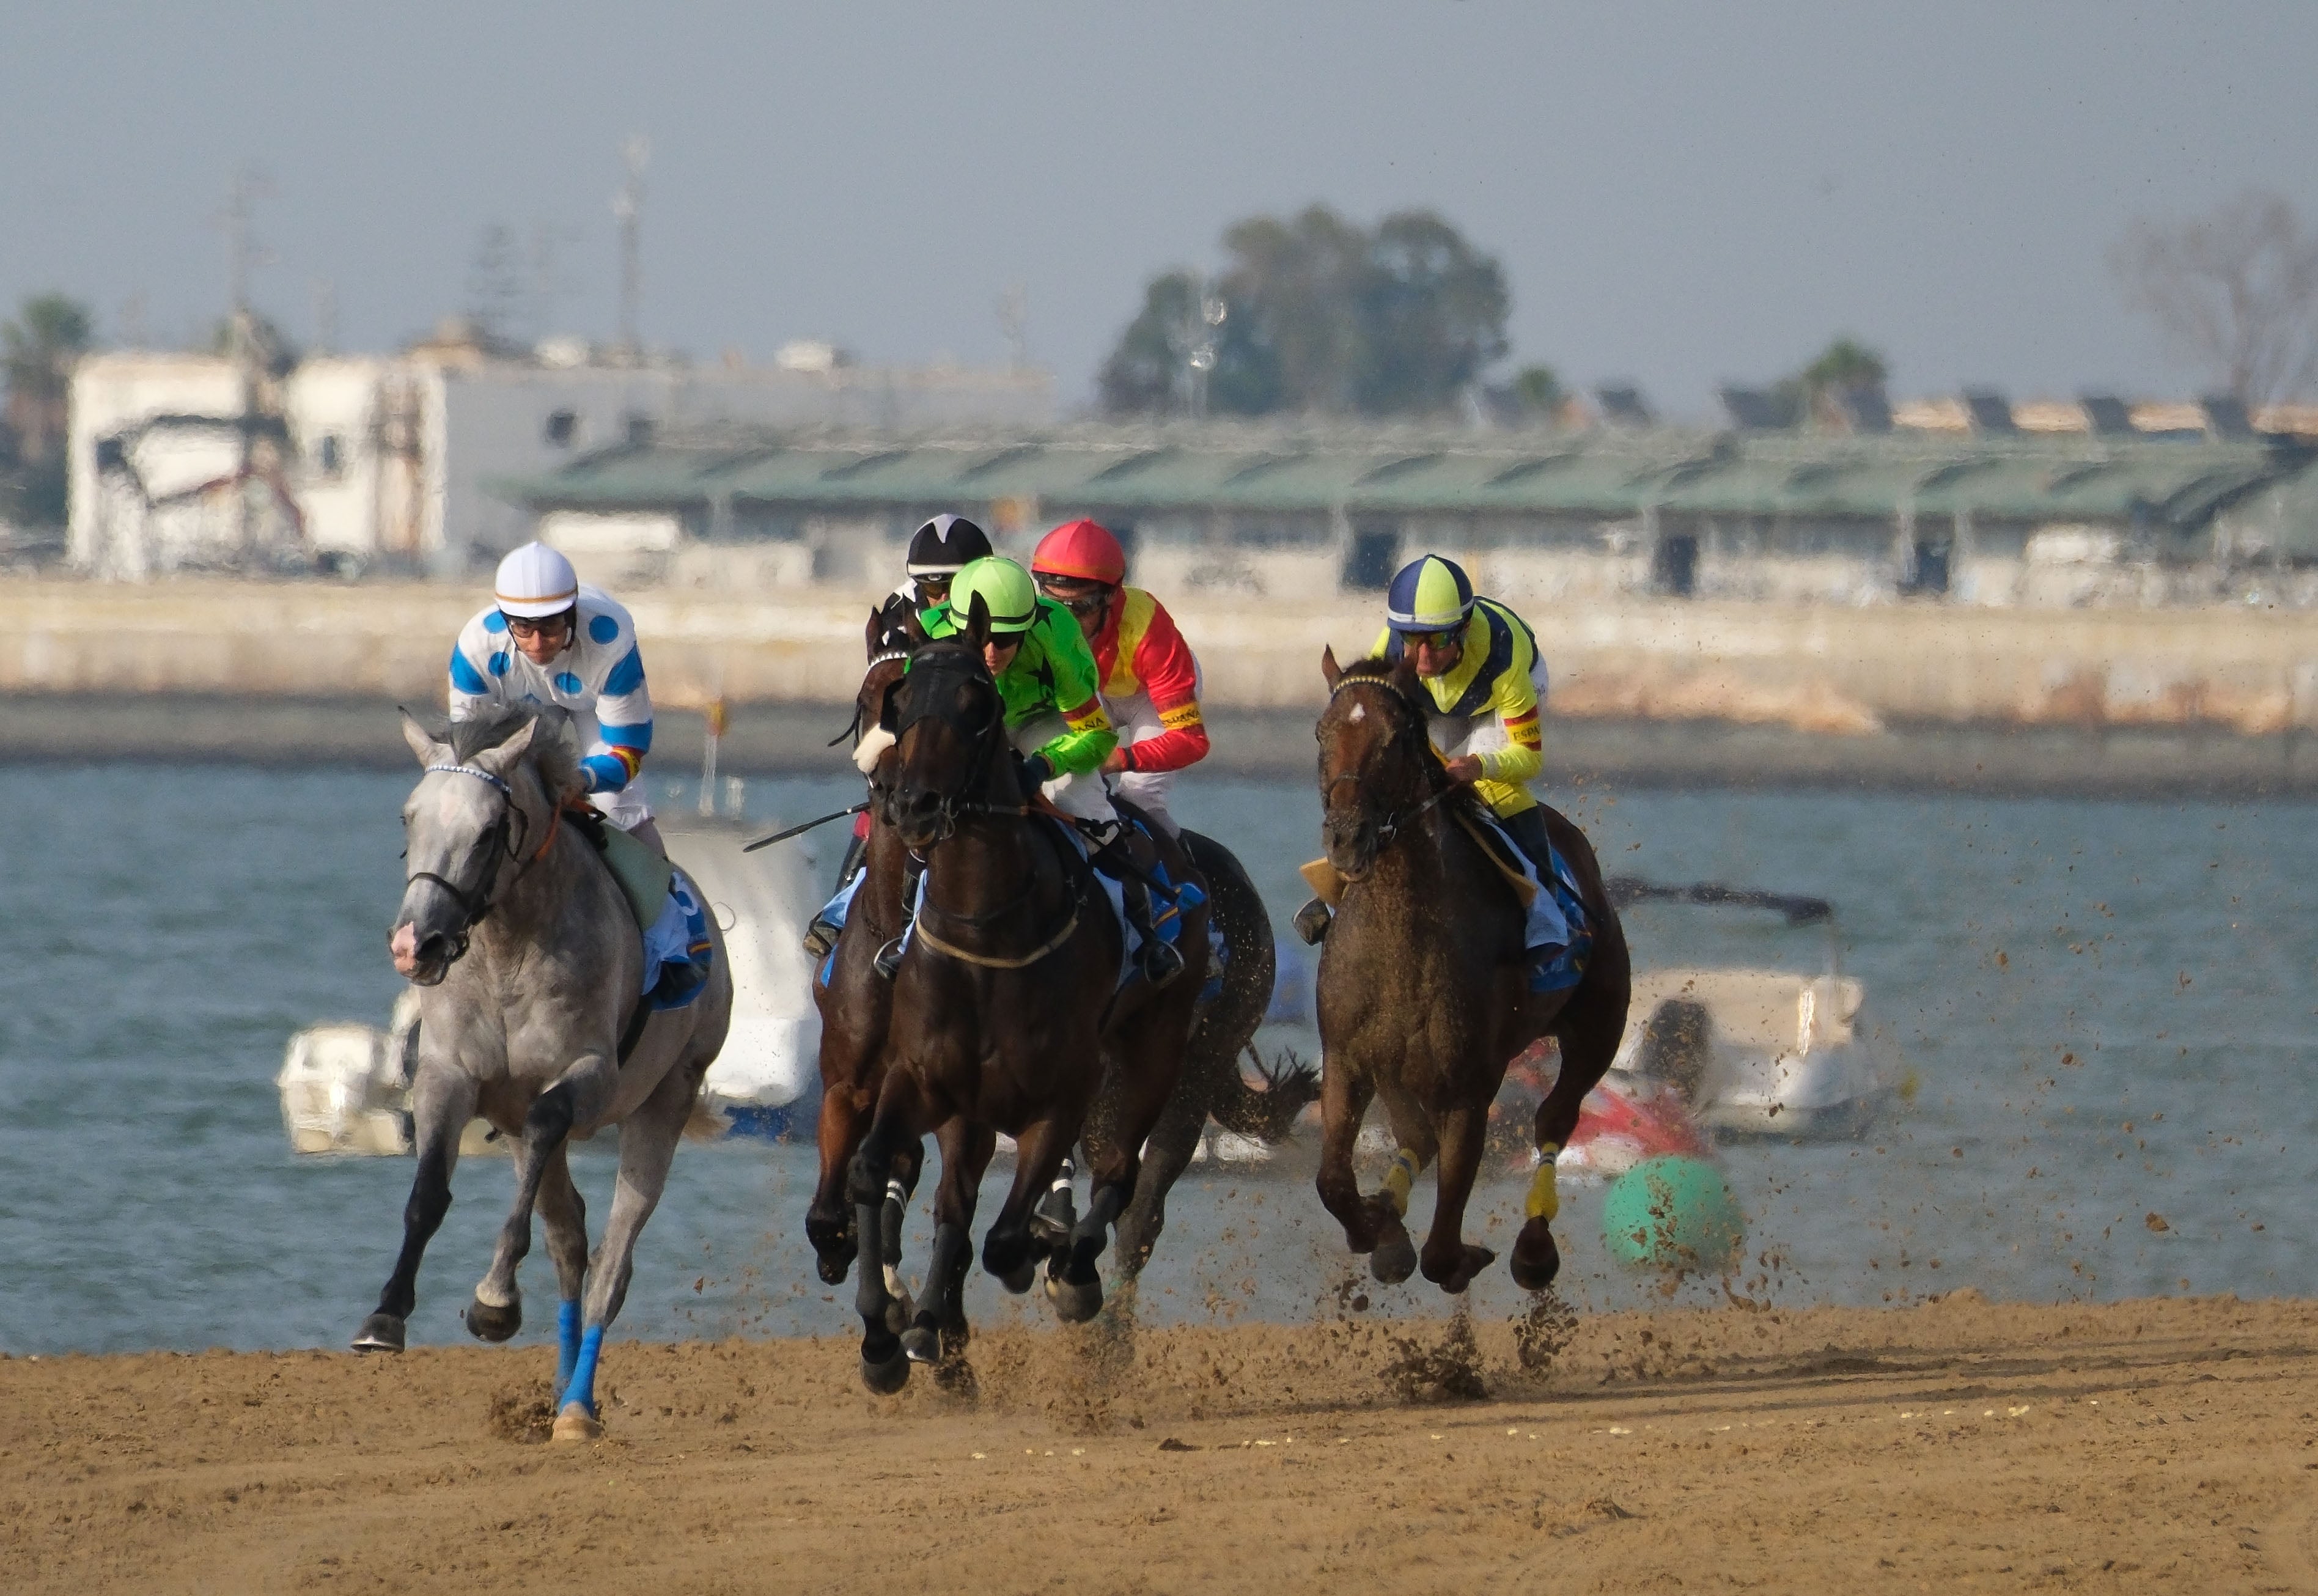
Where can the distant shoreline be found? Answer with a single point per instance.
(792, 738)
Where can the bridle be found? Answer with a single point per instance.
(1387, 826)
(952, 803)
(498, 843)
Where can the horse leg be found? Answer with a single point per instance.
(1344, 1096)
(1007, 1251)
(442, 1102)
(1165, 1156)
(565, 1216)
(828, 1220)
(497, 1311)
(1589, 1040)
(885, 1368)
(648, 1139)
(1447, 1261)
(938, 1329)
(901, 1185)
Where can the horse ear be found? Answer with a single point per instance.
(885, 706)
(1330, 670)
(422, 741)
(873, 638)
(500, 758)
(977, 621)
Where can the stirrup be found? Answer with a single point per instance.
(1312, 922)
(1159, 962)
(820, 936)
(889, 958)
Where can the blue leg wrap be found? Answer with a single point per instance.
(567, 1343)
(582, 1386)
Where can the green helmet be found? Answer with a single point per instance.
(1005, 589)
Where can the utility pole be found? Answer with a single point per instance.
(244, 255)
(627, 207)
(1014, 322)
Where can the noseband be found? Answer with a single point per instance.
(475, 903)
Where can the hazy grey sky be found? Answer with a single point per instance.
(1681, 194)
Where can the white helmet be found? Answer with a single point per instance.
(535, 581)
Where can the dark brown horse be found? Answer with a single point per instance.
(1005, 1012)
(856, 1001)
(1212, 1087)
(1421, 991)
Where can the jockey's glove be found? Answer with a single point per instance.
(1034, 771)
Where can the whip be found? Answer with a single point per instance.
(796, 830)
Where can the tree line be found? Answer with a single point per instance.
(1315, 314)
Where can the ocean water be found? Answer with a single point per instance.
(2107, 1010)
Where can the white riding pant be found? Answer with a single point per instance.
(1147, 790)
(626, 809)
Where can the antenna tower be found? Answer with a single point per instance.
(627, 207)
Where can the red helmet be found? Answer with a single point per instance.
(1081, 551)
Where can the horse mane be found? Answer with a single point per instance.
(1398, 678)
(554, 752)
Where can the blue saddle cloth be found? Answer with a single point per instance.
(1558, 936)
(679, 954)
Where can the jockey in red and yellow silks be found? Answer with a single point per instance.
(1150, 680)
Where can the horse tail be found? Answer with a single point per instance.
(1226, 1027)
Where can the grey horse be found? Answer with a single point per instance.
(531, 969)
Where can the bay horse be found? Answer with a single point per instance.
(855, 1000)
(532, 1014)
(1006, 1010)
(1422, 989)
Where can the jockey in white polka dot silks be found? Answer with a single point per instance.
(548, 639)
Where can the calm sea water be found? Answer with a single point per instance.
(2108, 1009)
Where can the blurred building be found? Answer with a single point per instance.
(198, 462)
(1295, 511)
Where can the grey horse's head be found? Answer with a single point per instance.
(486, 803)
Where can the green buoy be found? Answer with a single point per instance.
(1672, 1212)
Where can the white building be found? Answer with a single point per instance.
(186, 461)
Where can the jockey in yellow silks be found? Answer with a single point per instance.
(1480, 663)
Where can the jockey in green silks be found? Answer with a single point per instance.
(1047, 678)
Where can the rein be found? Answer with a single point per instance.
(954, 806)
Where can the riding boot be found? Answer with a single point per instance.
(1312, 922)
(1128, 859)
(889, 958)
(1528, 831)
(822, 935)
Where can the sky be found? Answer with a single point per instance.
(1680, 194)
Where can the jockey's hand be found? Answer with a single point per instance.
(1464, 767)
(1114, 761)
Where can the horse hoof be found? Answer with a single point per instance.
(1471, 1261)
(833, 1267)
(889, 1377)
(576, 1423)
(1076, 1301)
(1393, 1259)
(488, 1323)
(380, 1333)
(922, 1344)
(1535, 1264)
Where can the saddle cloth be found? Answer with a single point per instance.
(1557, 935)
(677, 952)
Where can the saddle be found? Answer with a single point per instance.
(643, 875)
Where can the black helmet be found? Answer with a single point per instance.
(945, 544)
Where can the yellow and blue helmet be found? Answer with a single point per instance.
(1429, 594)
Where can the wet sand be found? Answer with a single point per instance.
(1956, 1446)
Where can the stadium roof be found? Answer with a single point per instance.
(1142, 471)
